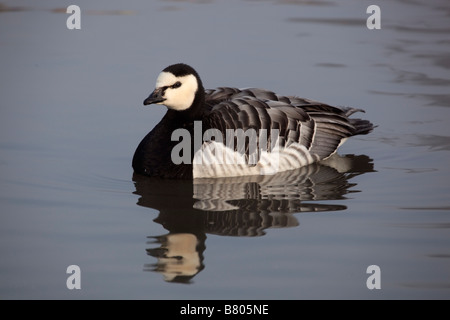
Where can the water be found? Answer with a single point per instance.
(72, 116)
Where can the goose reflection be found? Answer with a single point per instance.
(237, 206)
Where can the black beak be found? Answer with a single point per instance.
(155, 97)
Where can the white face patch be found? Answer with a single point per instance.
(181, 97)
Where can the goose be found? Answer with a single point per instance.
(209, 133)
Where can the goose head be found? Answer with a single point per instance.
(178, 87)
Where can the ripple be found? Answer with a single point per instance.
(331, 21)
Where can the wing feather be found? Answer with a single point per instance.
(319, 127)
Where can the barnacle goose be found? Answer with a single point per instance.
(235, 132)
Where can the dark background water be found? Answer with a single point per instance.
(71, 116)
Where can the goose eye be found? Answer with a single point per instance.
(176, 85)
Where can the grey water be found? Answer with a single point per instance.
(71, 116)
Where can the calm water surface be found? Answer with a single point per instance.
(72, 116)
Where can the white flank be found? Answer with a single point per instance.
(215, 160)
